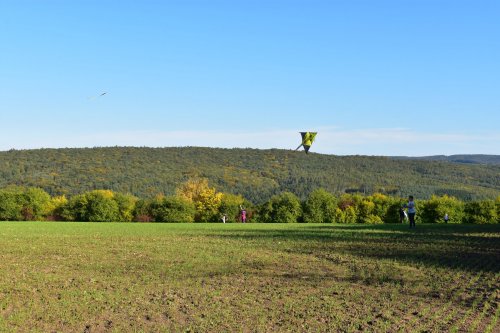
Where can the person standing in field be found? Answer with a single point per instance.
(446, 218)
(411, 211)
(243, 214)
(401, 214)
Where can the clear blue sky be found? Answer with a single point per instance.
(402, 77)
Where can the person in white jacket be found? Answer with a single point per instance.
(411, 211)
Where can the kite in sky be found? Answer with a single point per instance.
(307, 140)
(94, 97)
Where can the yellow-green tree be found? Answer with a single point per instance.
(126, 205)
(434, 209)
(55, 207)
(497, 205)
(346, 211)
(206, 199)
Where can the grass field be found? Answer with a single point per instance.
(110, 277)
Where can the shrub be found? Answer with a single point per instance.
(382, 205)
(172, 209)
(230, 206)
(372, 219)
(283, 208)
(142, 211)
(320, 207)
(497, 205)
(19, 203)
(10, 205)
(481, 212)
(392, 215)
(434, 210)
(346, 211)
(126, 206)
(56, 207)
(94, 206)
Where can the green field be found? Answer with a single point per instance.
(111, 277)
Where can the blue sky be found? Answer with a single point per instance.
(405, 77)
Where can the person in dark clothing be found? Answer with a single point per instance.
(401, 214)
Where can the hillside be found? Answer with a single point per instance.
(468, 158)
(256, 174)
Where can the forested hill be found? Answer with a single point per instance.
(256, 174)
(472, 158)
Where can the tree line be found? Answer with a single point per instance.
(196, 201)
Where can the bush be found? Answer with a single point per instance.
(372, 219)
(283, 208)
(346, 211)
(10, 204)
(497, 205)
(382, 205)
(434, 210)
(172, 209)
(94, 206)
(392, 215)
(481, 212)
(56, 207)
(126, 206)
(142, 211)
(28, 204)
(320, 207)
(230, 206)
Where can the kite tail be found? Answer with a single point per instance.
(299, 146)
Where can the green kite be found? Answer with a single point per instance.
(307, 140)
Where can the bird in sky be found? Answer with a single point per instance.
(94, 97)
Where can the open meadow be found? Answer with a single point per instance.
(133, 277)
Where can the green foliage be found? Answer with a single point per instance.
(382, 205)
(206, 199)
(372, 219)
(56, 207)
(230, 206)
(28, 204)
(387, 207)
(481, 212)
(346, 212)
(35, 204)
(283, 208)
(319, 207)
(172, 209)
(434, 210)
(197, 202)
(497, 205)
(365, 209)
(94, 206)
(126, 206)
(10, 204)
(392, 215)
(142, 210)
(254, 174)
